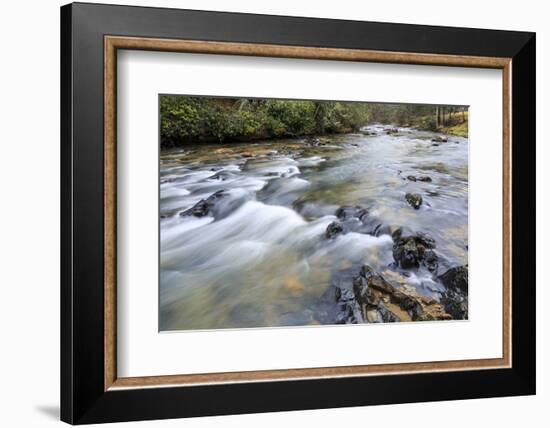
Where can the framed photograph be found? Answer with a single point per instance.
(266, 213)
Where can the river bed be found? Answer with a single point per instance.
(261, 256)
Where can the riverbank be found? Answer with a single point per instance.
(188, 120)
(455, 124)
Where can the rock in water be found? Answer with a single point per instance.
(369, 278)
(411, 251)
(456, 304)
(407, 303)
(372, 290)
(439, 139)
(221, 175)
(374, 300)
(431, 261)
(423, 178)
(334, 229)
(455, 299)
(414, 200)
(349, 311)
(349, 212)
(456, 277)
(204, 206)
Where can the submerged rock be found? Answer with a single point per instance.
(333, 229)
(412, 251)
(423, 178)
(382, 229)
(348, 212)
(414, 200)
(431, 261)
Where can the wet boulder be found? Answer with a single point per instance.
(204, 206)
(373, 299)
(374, 295)
(414, 250)
(333, 229)
(409, 304)
(456, 278)
(369, 288)
(219, 204)
(391, 131)
(423, 178)
(400, 232)
(414, 200)
(349, 311)
(439, 139)
(222, 175)
(455, 299)
(368, 278)
(456, 304)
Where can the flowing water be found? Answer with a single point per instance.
(261, 256)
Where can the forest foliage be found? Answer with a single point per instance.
(185, 119)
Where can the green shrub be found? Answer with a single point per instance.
(428, 123)
(186, 119)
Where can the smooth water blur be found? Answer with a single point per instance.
(262, 259)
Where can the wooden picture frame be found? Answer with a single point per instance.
(91, 390)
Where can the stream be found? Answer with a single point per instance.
(259, 256)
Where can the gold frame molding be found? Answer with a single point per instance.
(113, 43)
